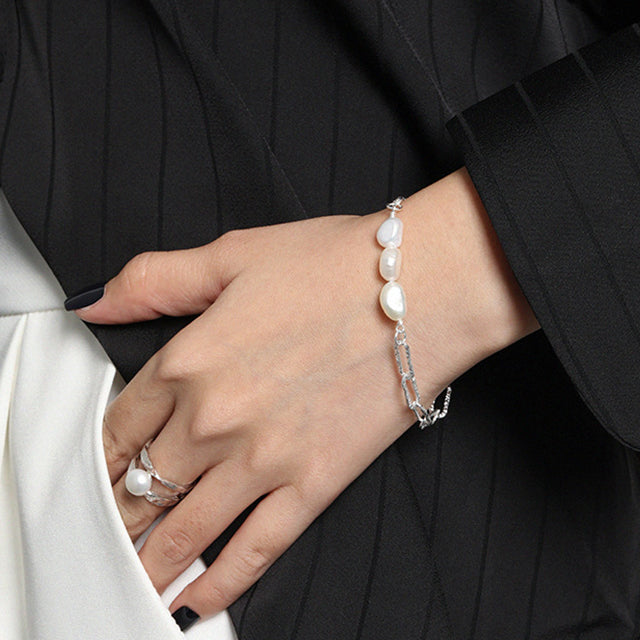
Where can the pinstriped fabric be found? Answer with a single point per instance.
(550, 142)
(376, 548)
(535, 41)
(534, 578)
(16, 77)
(214, 28)
(393, 134)
(333, 159)
(437, 621)
(307, 587)
(162, 335)
(482, 574)
(52, 154)
(275, 74)
(559, 19)
(205, 115)
(580, 207)
(588, 222)
(241, 627)
(519, 235)
(160, 124)
(612, 117)
(589, 593)
(436, 487)
(162, 168)
(106, 145)
(432, 51)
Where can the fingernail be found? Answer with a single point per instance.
(84, 297)
(185, 617)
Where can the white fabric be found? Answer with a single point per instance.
(68, 569)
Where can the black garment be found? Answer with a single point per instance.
(128, 125)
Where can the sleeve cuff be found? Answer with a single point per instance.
(555, 159)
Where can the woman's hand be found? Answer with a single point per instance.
(285, 386)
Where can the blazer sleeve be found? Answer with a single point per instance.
(555, 159)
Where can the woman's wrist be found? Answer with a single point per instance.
(463, 300)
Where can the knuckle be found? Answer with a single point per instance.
(302, 500)
(231, 244)
(301, 506)
(170, 364)
(175, 546)
(200, 428)
(137, 271)
(218, 597)
(217, 416)
(318, 472)
(231, 238)
(253, 561)
(310, 492)
(135, 520)
(265, 456)
(115, 449)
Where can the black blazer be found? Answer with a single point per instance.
(133, 125)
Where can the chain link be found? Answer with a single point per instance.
(426, 417)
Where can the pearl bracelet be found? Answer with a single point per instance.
(393, 303)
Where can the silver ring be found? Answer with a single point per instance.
(138, 481)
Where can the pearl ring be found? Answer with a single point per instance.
(138, 481)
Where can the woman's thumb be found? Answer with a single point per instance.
(152, 284)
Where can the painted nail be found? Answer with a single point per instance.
(185, 617)
(84, 297)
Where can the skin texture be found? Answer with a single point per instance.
(285, 385)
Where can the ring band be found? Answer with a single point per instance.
(147, 464)
(138, 481)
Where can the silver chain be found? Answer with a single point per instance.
(426, 417)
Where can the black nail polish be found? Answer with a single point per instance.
(185, 617)
(84, 297)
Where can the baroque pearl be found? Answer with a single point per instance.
(392, 300)
(390, 232)
(390, 260)
(138, 482)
